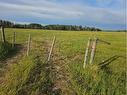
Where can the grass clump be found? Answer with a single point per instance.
(29, 77)
(4, 49)
(96, 81)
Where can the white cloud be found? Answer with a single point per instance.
(44, 10)
(50, 9)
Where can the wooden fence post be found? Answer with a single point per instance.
(51, 49)
(2, 34)
(28, 45)
(86, 53)
(93, 50)
(13, 39)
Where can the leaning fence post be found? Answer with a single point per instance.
(2, 34)
(51, 49)
(28, 45)
(86, 53)
(13, 39)
(93, 50)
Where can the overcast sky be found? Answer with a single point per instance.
(105, 14)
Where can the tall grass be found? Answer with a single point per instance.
(28, 77)
(4, 49)
(96, 81)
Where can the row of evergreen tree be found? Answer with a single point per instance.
(9, 24)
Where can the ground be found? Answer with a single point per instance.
(66, 64)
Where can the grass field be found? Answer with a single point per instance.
(64, 74)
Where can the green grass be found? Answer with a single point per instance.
(29, 76)
(71, 45)
(4, 49)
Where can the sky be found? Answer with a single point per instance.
(104, 14)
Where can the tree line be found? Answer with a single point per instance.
(8, 24)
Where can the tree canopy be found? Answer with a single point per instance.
(9, 24)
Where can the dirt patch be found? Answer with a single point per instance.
(61, 74)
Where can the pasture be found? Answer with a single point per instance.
(64, 74)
